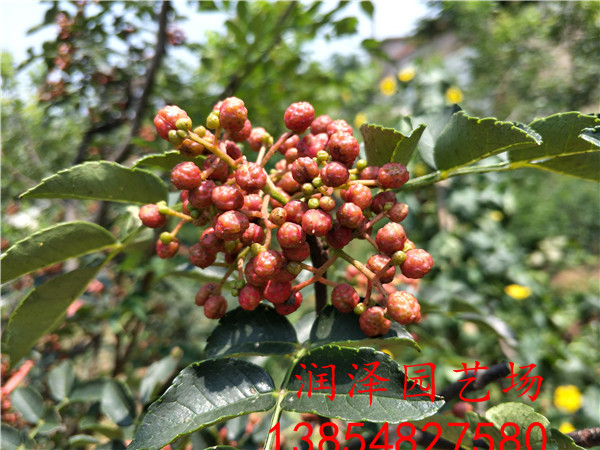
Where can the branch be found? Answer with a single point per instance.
(482, 379)
(159, 53)
(318, 256)
(588, 437)
(90, 132)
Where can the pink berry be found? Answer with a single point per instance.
(250, 296)
(165, 251)
(231, 225)
(392, 175)
(267, 263)
(206, 291)
(290, 305)
(360, 195)
(150, 216)
(403, 307)
(277, 292)
(316, 222)
(304, 170)
(201, 257)
(334, 174)
(373, 322)
(257, 138)
(298, 254)
(398, 212)
(166, 118)
(216, 168)
(233, 114)
(201, 197)
(290, 235)
(310, 144)
(215, 307)
(349, 215)
(233, 150)
(344, 298)
(250, 177)
(252, 202)
(319, 125)
(381, 200)
(243, 134)
(295, 210)
(254, 234)
(299, 116)
(417, 264)
(289, 143)
(376, 263)
(369, 173)
(210, 241)
(343, 147)
(251, 275)
(227, 197)
(390, 238)
(288, 184)
(339, 236)
(338, 126)
(186, 175)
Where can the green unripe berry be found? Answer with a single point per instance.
(163, 208)
(313, 203)
(166, 237)
(174, 138)
(398, 258)
(182, 133)
(230, 246)
(194, 212)
(235, 292)
(267, 139)
(238, 284)
(361, 164)
(212, 121)
(322, 156)
(294, 267)
(359, 309)
(185, 123)
(388, 206)
(317, 182)
(257, 248)
(408, 245)
(308, 188)
(200, 131)
(353, 177)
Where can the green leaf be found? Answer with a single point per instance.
(13, 439)
(101, 181)
(383, 145)
(158, 374)
(562, 441)
(203, 394)
(466, 140)
(367, 8)
(334, 327)
(523, 416)
(43, 309)
(436, 122)
(592, 135)
(29, 403)
(498, 326)
(347, 25)
(82, 440)
(560, 135)
(88, 391)
(53, 245)
(117, 403)
(387, 405)
(259, 332)
(582, 165)
(51, 423)
(60, 380)
(167, 160)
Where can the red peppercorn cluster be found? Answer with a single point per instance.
(260, 225)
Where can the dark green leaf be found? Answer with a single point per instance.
(203, 394)
(367, 8)
(101, 181)
(60, 380)
(523, 416)
(466, 140)
(82, 440)
(53, 245)
(51, 423)
(158, 374)
(436, 122)
(88, 391)
(258, 332)
(592, 135)
(167, 160)
(562, 441)
(383, 145)
(334, 327)
(351, 367)
(43, 309)
(581, 165)
(13, 439)
(560, 135)
(29, 403)
(347, 25)
(117, 403)
(114, 444)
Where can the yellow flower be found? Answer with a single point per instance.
(568, 398)
(407, 74)
(566, 427)
(517, 291)
(360, 119)
(496, 216)
(454, 94)
(387, 86)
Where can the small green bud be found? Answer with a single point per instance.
(182, 133)
(359, 309)
(185, 123)
(361, 164)
(235, 292)
(272, 171)
(163, 209)
(238, 284)
(408, 245)
(398, 258)
(194, 212)
(388, 206)
(257, 248)
(166, 237)
(230, 246)
(313, 203)
(322, 156)
(200, 131)
(353, 177)
(174, 138)
(267, 139)
(317, 182)
(294, 267)
(308, 188)
(212, 121)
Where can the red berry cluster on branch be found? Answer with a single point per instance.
(316, 191)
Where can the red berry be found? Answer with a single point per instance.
(327, 203)
(201, 257)
(343, 147)
(250, 296)
(392, 175)
(290, 305)
(250, 177)
(291, 155)
(376, 263)
(186, 175)
(284, 275)
(460, 409)
(150, 216)
(201, 197)
(257, 138)
(390, 238)
(373, 322)
(210, 241)
(310, 144)
(398, 212)
(277, 292)
(289, 143)
(381, 200)
(216, 168)
(297, 254)
(295, 210)
(339, 236)
(252, 202)
(267, 263)
(299, 116)
(206, 291)
(350, 215)
(243, 134)
(231, 225)
(166, 118)
(290, 235)
(417, 264)
(338, 126)
(254, 234)
(288, 184)
(215, 307)
(227, 197)
(252, 277)
(304, 170)
(344, 298)
(319, 125)
(233, 114)
(369, 173)
(165, 251)
(402, 307)
(233, 150)
(360, 195)
(334, 174)
(316, 222)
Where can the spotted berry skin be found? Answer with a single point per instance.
(417, 264)
(373, 322)
(319, 125)
(398, 212)
(243, 134)
(339, 236)
(381, 200)
(290, 235)
(338, 126)
(206, 291)
(150, 216)
(201, 197)
(267, 263)
(310, 144)
(390, 238)
(299, 116)
(298, 254)
(360, 195)
(376, 263)
(349, 215)
(165, 251)
(257, 138)
(295, 210)
(252, 202)
(344, 298)
(253, 235)
(166, 118)
(215, 307)
(233, 114)
(201, 257)
(334, 174)
(227, 197)
(403, 307)
(343, 147)
(252, 277)
(316, 222)
(250, 177)
(210, 241)
(369, 173)
(277, 292)
(216, 168)
(186, 175)
(250, 296)
(304, 170)
(290, 305)
(231, 225)
(392, 175)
